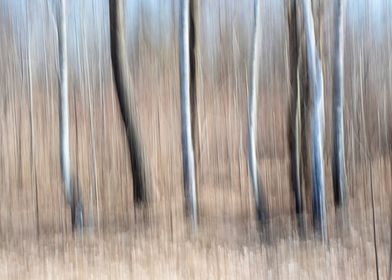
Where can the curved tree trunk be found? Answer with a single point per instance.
(126, 98)
(187, 92)
(317, 124)
(72, 196)
(338, 157)
(252, 117)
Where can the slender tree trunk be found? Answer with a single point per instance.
(295, 115)
(193, 16)
(118, 50)
(72, 196)
(338, 157)
(64, 110)
(317, 124)
(187, 89)
(253, 88)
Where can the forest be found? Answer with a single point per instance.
(121, 238)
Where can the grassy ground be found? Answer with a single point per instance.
(227, 246)
(155, 242)
(121, 242)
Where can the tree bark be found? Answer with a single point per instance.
(126, 99)
(63, 104)
(252, 117)
(338, 157)
(187, 92)
(71, 190)
(317, 124)
(193, 82)
(294, 116)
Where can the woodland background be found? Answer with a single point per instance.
(35, 232)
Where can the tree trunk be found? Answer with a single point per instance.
(187, 92)
(126, 99)
(317, 124)
(72, 196)
(63, 102)
(338, 157)
(294, 116)
(193, 89)
(252, 117)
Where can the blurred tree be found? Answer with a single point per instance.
(188, 105)
(338, 157)
(71, 188)
(305, 76)
(253, 88)
(126, 97)
(295, 133)
(316, 82)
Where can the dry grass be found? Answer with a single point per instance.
(156, 243)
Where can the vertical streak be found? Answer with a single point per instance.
(253, 88)
(338, 169)
(94, 157)
(63, 104)
(387, 127)
(186, 124)
(126, 98)
(317, 88)
(100, 86)
(32, 138)
(195, 125)
(93, 188)
(295, 115)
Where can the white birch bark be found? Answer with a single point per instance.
(63, 106)
(253, 88)
(317, 123)
(188, 157)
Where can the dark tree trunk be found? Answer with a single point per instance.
(338, 157)
(126, 99)
(294, 116)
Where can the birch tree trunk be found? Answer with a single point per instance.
(126, 99)
(317, 124)
(72, 194)
(71, 189)
(253, 87)
(338, 157)
(187, 80)
(64, 110)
